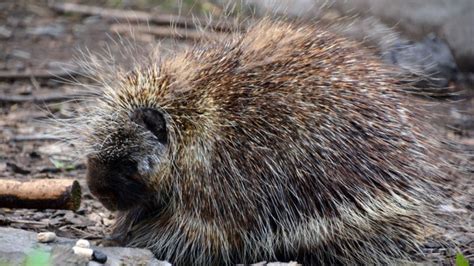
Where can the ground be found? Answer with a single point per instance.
(33, 37)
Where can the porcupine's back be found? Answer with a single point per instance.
(284, 142)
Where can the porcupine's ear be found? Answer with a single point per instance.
(152, 120)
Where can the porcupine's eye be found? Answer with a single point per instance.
(152, 120)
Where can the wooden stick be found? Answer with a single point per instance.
(164, 32)
(36, 137)
(128, 15)
(39, 74)
(140, 16)
(36, 99)
(40, 194)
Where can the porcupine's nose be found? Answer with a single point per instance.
(117, 184)
(152, 120)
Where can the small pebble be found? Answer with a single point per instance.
(46, 237)
(89, 253)
(5, 33)
(20, 54)
(107, 222)
(83, 252)
(53, 30)
(82, 243)
(99, 256)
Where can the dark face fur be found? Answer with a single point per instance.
(119, 180)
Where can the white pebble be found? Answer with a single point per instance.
(82, 243)
(46, 237)
(83, 252)
(107, 222)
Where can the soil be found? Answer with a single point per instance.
(33, 37)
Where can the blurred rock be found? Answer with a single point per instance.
(91, 20)
(370, 31)
(5, 33)
(459, 33)
(296, 8)
(20, 54)
(13, 21)
(53, 30)
(415, 17)
(17, 245)
(451, 20)
(429, 60)
(131, 256)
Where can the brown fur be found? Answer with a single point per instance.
(285, 142)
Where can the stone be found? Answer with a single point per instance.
(46, 237)
(17, 245)
(5, 33)
(99, 257)
(451, 20)
(430, 60)
(459, 34)
(83, 243)
(83, 252)
(52, 30)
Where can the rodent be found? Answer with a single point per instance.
(285, 142)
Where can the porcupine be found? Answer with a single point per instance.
(284, 142)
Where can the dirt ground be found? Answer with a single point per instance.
(35, 38)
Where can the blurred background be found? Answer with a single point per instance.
(40, 41)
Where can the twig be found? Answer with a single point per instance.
(164, 32)
(40, 194)
(38, 74)
(83, 233)
(140, 16)
(39, 137)
(27, 222)
(36, 99)
(35, 83)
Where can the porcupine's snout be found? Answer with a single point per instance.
(117, 184)
(120, 181)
